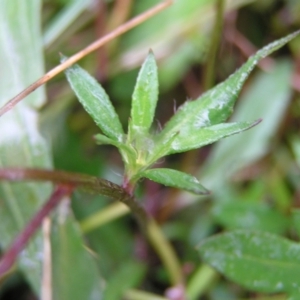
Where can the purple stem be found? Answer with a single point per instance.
(8, 259)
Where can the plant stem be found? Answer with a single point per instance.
(215, 41)
(158, 241)
(8, 259)
(82, 181)
(104, 187)
(200, 281)
(141, 295)
(103, 216)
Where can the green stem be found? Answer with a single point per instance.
(158, 241)
(140, 295)
(200, 281)
(215, 41)
(103, 216)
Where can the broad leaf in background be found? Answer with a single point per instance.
(259, 261)
(144, 99)
(175, 179)
(95, 101)
(75, 274)
(21, 144)
(249, 215)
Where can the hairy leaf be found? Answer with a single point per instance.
(267, 96)
(144, 98)
(95, 101)
(207, 135)
(216, 105)
(175, 179)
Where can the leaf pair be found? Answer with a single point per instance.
(135, 148)
(196, 123)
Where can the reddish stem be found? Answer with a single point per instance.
(8, 259)
(81, 181)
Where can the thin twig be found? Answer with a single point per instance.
(92, 47)
(9, 257)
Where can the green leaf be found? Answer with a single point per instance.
(205, 136)
(216, 105)
(268, 96)
(75, 273)
(249, 215)
(144, 99)
(104, 140)
(259, 261)
(21, 143)
(175, 179)
(95, 101)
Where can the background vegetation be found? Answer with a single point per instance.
(253, 176)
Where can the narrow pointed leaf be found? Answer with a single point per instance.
(144, 98)
(95, 101)
(104, 140)
(260, 261)
(268, 95)
(175, 179)
(216, 105)
(207, 135)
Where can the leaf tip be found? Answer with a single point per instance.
(151, 54)
(256, 122)
(63, 58)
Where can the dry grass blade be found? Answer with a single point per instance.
(92, 47)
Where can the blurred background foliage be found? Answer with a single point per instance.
(254, 176)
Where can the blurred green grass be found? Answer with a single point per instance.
(258, 170)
